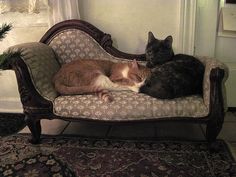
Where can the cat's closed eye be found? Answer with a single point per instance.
(123, 81)
(135, 78)
(139, 79)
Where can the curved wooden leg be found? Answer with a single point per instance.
(212, 131)
(35, 128)
(216, 117)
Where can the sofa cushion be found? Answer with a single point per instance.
(128, 106)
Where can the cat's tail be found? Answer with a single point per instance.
(103, 94)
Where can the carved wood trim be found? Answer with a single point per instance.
(35, 129)
(102, 38)
(216, 113)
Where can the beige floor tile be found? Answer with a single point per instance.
(228, 131)
(233, 146)
(230, 117)
(179, 130)
(50, 127)
(132, 131)
(87, 129)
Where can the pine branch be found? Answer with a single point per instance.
(4, 30)
(6, 58)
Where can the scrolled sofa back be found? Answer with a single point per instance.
(71, 44)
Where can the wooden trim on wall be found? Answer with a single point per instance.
(232, 109)
(187, 26)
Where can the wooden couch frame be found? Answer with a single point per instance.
(36, 107)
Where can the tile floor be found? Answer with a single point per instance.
(144, 130)
(158, 130)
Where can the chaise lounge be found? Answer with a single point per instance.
(78, 39)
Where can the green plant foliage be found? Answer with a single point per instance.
(4, 29)
(7, 57)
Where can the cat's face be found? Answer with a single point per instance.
(132, 75)
(158, 51)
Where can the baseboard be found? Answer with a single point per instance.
(232, 109)
(10, 105)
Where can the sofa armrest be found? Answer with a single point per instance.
(34, 71)
(216, 73)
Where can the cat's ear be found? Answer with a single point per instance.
(134, 64)
(169, 40)
(151, 37)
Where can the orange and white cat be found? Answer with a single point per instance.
(99, 76)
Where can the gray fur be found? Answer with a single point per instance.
(172, 75)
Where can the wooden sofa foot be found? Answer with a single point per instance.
(213, 147)
(35, 128)
(212, 131)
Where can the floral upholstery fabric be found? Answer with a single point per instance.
(74, 44)
(128, 106)
(42, 65)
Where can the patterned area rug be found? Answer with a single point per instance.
(86, 157)
(11, 123)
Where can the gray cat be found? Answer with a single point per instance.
(172, 75)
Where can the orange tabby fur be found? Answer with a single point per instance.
(99, 76)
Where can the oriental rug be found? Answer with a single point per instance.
(70, 156)
(11, 123)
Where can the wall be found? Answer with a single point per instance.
(129, 21)
(207, 40)
(225, 49)
(26, 28)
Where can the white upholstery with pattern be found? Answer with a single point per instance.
(128, 106)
